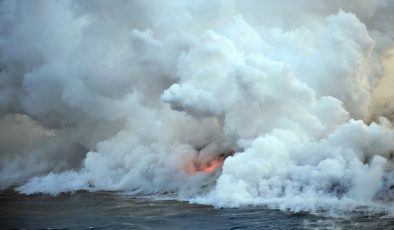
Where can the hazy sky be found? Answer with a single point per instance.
(385, 87)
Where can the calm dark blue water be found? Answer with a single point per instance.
(104, 210)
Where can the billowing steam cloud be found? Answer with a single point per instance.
(152, 96)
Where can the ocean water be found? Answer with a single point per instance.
(106, 210)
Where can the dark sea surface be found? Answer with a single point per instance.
(105, 210)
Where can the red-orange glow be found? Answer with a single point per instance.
(210, 166)
(198, 165)
(194, 167)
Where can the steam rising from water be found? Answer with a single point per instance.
(151, 96)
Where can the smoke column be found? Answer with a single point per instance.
(228, 103)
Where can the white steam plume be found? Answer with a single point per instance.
(151, 96)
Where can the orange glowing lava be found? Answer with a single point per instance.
(210, 166)
(200, 165)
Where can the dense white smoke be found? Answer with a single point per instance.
(151, 96)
